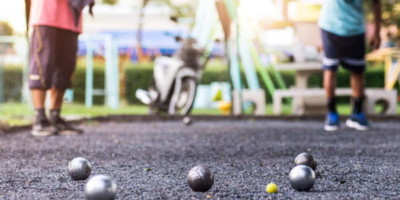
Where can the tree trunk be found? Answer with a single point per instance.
(27, 13)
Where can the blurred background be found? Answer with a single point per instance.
(125, 36)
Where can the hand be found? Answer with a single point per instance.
(375, 41)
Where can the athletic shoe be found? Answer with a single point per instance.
(358, 121)
(63, 127)
(42, 127)
(332, 122)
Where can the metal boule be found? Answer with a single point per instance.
(79, 168)
(100, 187)
(302, 178)
(306, 159)
(200, 179)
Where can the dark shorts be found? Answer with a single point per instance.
(348, 52)
(52, 57)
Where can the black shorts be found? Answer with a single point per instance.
(348, 52)
(52, 57)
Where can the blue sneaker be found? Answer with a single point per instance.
(358, 121)
(332, 122)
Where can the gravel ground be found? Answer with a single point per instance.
(244, 155)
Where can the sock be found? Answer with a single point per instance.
(358, 105)
(331, 104)
(40, 115)
(55, 113)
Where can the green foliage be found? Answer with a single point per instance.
(79, 84)
(110, 2)
(12, 80)
(390, 12)
(5, 28)
(137, 77)
(140, 76)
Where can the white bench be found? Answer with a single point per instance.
(373, 96)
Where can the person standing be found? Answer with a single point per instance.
(342, 24)
(54, 28)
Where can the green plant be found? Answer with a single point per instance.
(140, 76)
(110, 2)
(5, 28)
(390, 12)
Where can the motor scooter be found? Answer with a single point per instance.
(175, 80)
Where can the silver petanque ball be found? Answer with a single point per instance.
(100, 187)
(200, 178)
(79, 168)
(302, 178)
(306, 159)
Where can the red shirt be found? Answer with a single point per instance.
(55, 13)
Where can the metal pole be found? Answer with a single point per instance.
(108, 70)
(116, 76)
(26, 97)
(89, 73)
(1, 78)
(112, 81)
(232, 46)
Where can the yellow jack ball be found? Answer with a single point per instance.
(272, 188)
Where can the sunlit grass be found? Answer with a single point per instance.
(14, 114)
(21, 114)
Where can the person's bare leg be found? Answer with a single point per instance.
(330, 86)
(357, 85)
(38, 98)
(56, 98)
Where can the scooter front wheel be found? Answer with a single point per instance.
(183, 97)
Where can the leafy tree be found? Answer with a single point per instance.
(390, 12)
(186, 9)
(5, 28)
(110, 2)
